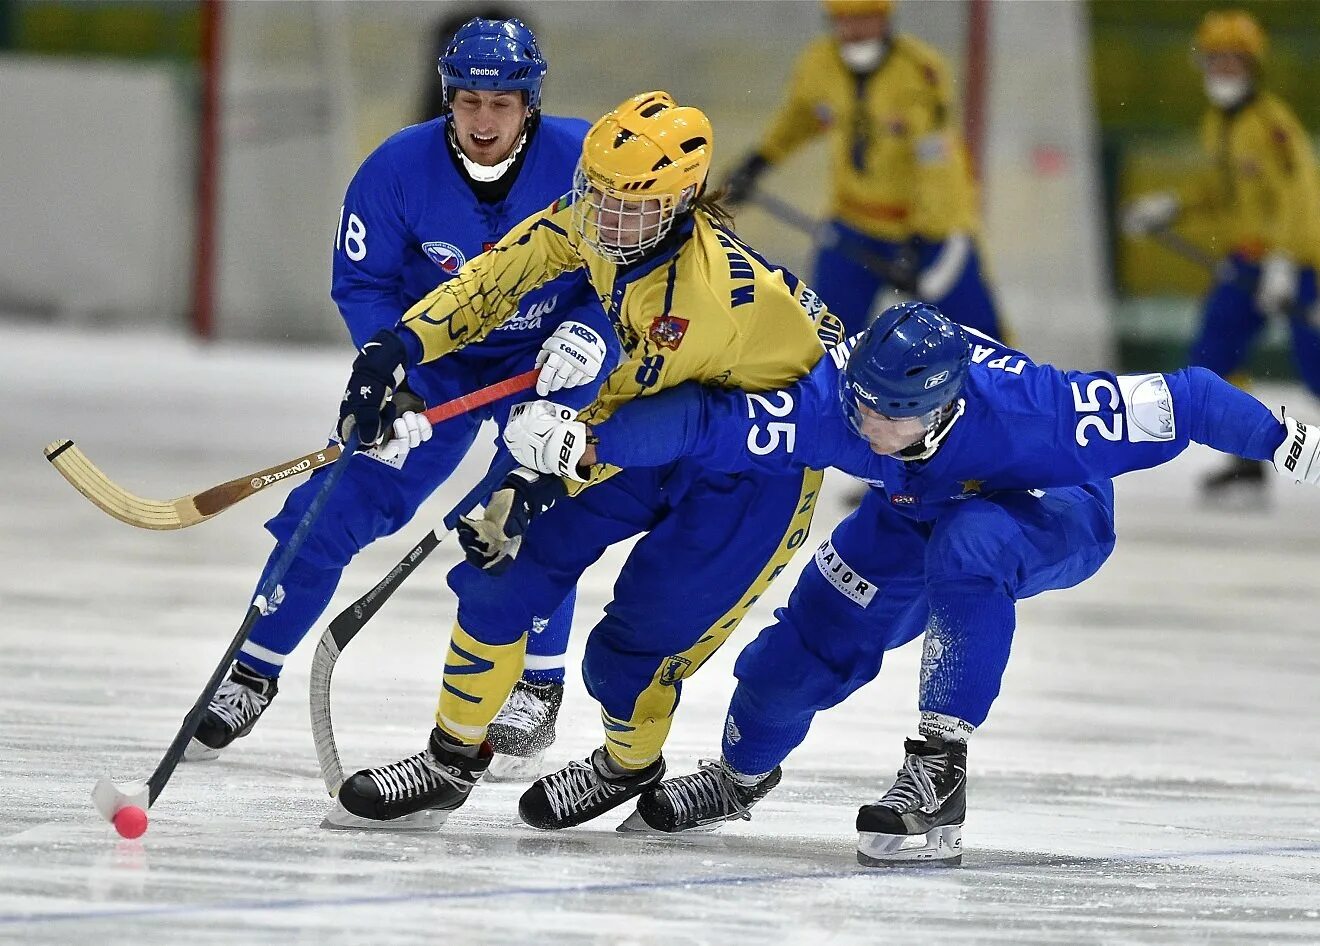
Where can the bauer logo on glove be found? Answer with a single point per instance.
(547, 437)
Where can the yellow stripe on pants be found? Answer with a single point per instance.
(636, 742)
(478, 679)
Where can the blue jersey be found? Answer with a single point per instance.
(410, 220)
(1023, 426)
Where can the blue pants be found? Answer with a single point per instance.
(711, 544)
(1231, 323)
(849, 288)
(882, 580)
(375, 499)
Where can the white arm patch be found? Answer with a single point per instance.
(841, 575)
(1149, 407)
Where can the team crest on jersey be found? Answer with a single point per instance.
(445, 255)
(666, 331)
(675, 668)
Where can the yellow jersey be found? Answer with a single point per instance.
(1262, 191)
(898, 166)
(703, 307)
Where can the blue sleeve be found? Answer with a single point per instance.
(369, 248)
(725, 430)
(1112, 424)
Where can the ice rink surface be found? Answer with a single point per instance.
(1150, 773)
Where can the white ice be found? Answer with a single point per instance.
(1151, 771)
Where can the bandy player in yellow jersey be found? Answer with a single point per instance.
(1261, 190)
(689, 302)
(901, 184)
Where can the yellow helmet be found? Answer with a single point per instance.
(1231, 31)
(642, 165)
(859, 7)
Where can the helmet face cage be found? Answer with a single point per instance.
(493, 56)
(619, 225)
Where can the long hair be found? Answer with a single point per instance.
(712, 202)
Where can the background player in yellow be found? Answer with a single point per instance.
(1261, 191)
(901, 185)
(689, 301)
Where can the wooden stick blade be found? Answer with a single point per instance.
(112, 499)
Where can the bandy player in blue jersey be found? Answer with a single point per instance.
(430, 198)
(991, 482)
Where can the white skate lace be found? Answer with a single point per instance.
(575, 788)
(913, 785)
(708, 793)
(413, 776)
(525, 710)
(236, 704)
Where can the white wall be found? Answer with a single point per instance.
(95, 209)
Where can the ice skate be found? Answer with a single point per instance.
(699, 802)
(523, 731)
(232, 712)
(584, 790)
(416, 793)
(919, 820)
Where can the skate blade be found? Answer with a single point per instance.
(514, 768)
(636, 824)
(339, 818)
(197, 751)
(939, 847)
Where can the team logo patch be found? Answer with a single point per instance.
(675, 669)
(445, 255)
(666, 331)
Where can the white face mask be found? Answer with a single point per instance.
(863, 55)
(1227, 91)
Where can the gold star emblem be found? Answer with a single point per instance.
(971, 486)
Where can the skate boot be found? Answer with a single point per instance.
(416, 793)
(1239, 485)
(523, 730)
(927, 803)
(701, 801)
(583, 790)
(232, 712)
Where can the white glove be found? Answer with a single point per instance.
(572, 355)
(1277, 289)
(411, 429)
(546, 437)
(1150, 212)
(938, 279)
(1296, 457)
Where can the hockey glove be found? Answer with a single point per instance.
(1276, 292)
(1150, 212)
(410, 430)
(546, 437)
(905, 268)
(740, 183)
(571, 356)
(492, 542)
(377, 371)
(1297, 457)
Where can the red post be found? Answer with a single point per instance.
(977, 81)
(208, 164)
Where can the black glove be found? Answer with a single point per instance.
(905, 268)
(740, 183)
(492, 541)
(377, 371)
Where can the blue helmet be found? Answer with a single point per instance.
(911, 362)
(493, 56)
